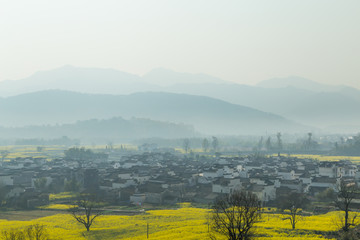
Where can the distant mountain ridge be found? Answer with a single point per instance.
(83, 80)
(294, 98)
(320, 109)
(207, 115)
(99, 81)
(111, 81)
(165, 77)
(298, 82)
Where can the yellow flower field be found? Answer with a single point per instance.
(57, 206)
(184, 223)
(355, 159)
(61, 196)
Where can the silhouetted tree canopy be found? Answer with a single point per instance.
(234, 215)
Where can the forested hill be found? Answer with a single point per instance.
(103, 130)
(207, 115)
(333, 108)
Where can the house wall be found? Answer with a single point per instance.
(6, 180)
(217, 188)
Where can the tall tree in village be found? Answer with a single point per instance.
(268, 144)
(309, 140)
(260, 144)
(186, 145)
(234, 216)
(205, 144)
(215, 143)
(279, 142)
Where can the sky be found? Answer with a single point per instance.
(241, 41)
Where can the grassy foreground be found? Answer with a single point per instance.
(184, 223)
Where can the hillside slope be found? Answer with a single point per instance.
(207, 115)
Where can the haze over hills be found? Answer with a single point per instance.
(114, 129)
(165, 77)
(207, 115)
(84, 80)
(99, 80)
(298, 99)
(298, 82)
(320, 109)
(294, 98)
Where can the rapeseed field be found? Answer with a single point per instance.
(185, 223)
(354, 159)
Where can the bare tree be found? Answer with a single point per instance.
(36, 232)
(110, 146)
(260, 144)
(293, 216)
(268, 144)
(186, 144)
(205, 144)
(234, 215)
(13, 234)
(279, 142)
(215, 143)
(292, 203)
(309, 139)
(347, 193)
(32, 232)
(85, 211)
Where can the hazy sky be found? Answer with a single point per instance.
(241, 41)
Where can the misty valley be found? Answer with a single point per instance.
(173, 155)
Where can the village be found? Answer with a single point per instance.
(151, 175)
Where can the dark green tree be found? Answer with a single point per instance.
(71, 185)
(83, 155)
(40, 183)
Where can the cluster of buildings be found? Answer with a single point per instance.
(159, 177)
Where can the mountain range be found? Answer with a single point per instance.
(328, 107)
(99, 80)
(319, 109)
(207, 115)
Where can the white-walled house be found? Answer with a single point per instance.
(126, 175)
(137, 199)
(328, 169)
(286, 174)
(325, 182)
(123, 183)
(6, 180)
(213, 173)
(221, 186)
(264, 193)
